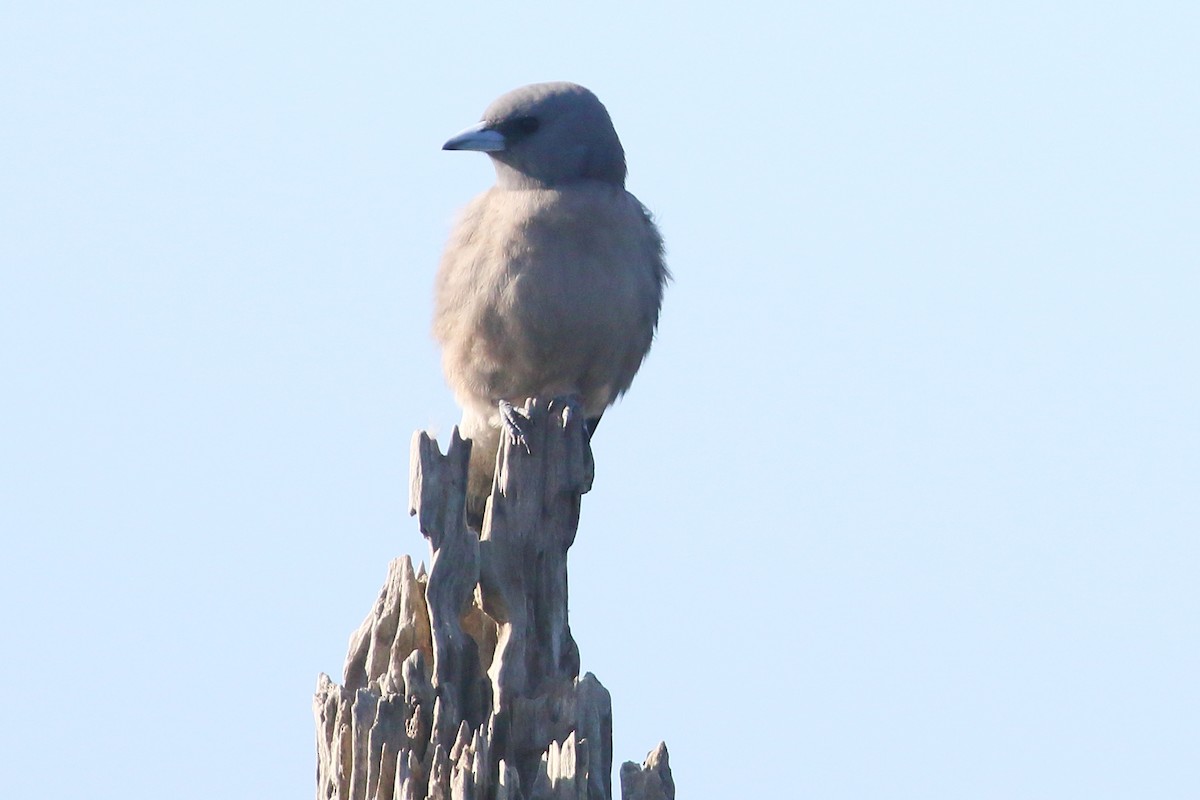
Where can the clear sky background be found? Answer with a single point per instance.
(904, 503)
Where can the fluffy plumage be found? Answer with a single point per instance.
(552, 280)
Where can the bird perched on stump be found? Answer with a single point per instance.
(552, 279)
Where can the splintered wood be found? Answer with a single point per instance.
(463, 683)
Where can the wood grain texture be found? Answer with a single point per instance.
(463, 683)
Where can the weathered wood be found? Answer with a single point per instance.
(652, 780)
(464, 683)
(453, 575)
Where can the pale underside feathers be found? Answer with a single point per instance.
(552, 280)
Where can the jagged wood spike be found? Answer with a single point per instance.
(453, 574)
(462, 682)
(531, 519)
(652, 780)
(508, 784)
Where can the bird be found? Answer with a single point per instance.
(552, 280)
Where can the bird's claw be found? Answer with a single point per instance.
(516, 424)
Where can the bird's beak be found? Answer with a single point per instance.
(480, 137)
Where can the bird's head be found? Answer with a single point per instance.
(547, 134)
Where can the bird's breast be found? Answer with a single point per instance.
(547, 292)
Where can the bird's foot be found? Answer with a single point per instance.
(573, 404)
(516, 424)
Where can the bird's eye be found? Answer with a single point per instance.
(515, 129)
(528, 125)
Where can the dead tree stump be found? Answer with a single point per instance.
(463, 683)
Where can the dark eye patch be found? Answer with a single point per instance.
(518, 128)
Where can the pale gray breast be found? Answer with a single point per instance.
(558, 290)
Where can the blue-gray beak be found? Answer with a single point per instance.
(479, 137)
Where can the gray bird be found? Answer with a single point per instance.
(552, 279)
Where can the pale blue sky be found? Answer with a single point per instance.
(905, 502)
